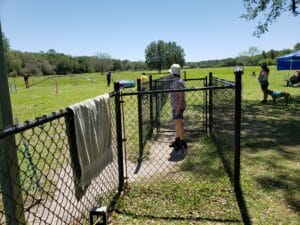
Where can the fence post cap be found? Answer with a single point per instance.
(239, 70)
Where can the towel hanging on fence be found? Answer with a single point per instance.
(93, 138)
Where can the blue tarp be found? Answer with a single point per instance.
(289, 62)
(126, 83)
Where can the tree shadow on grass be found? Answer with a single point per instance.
(271, 133)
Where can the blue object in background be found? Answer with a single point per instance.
(127, 83)
(289, 62)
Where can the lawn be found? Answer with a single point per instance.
(270, 160)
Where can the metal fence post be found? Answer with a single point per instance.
(151, 103)
(119, 135)
(140, 119)
(156, 107)
(206, 106)
(237, 146)
(210, 102)
(9, 168)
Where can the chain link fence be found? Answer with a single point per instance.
(222, 121)
(147, 149)
(41, 174)
(152, 158)
(37, 183)
(154, 166)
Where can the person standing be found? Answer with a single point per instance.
(144, 81)
(26, 80)
(108, 78)
(178, 105)
(263, 79)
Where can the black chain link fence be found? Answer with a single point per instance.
(41, 175)
(149, 127)
(149, 111)
(37, 183)
(153, 165)
(222, 118)
(148, 156)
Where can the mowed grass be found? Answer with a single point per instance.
(270, 160)
(42, 97)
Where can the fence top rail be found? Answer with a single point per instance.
(188, 79)
(163, 80)
(13, 129)
(229, 83)
(16, 128)
(178, 90)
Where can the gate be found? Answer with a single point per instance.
(179, 185)
(196, 105)
(148, 127)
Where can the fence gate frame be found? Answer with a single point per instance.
(209, 88)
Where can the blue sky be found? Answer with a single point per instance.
(205, 29)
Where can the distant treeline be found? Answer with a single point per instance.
(246, 59)
(51, 62)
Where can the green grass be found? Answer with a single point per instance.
(270, 160)
(202, 194)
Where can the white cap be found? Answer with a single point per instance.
(175, 69)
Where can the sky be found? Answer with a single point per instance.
(205, 29)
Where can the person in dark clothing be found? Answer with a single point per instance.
(108, 78)
(26, 80)
(264, 81)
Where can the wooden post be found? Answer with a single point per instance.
(9, 168)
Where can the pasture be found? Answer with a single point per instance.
(270, 161)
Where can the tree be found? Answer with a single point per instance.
(175, 54)
(297, 47)
(14, 63)
(84, 65)
(5, 43)
(154, 54)
(64, 64)
(252, 51)
(117, 65)
(270, 9)
(160, 55)
(103, 62)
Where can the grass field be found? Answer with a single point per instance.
(270, 163)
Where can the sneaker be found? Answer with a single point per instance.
(174, 143)
(177, 147)
(183, 144)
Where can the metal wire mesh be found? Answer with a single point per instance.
(154, 158)
(42, 171)
(223, 122)
(157, 166)
(44, 175)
